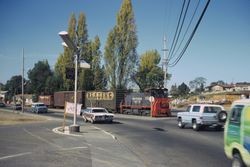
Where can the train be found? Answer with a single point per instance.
(153, 102)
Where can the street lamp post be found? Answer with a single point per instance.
(69, 43)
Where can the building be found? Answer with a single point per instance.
(2, 95)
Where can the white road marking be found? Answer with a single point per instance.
(73, 148)
(15, 155)
(42, 139)
(113, 136)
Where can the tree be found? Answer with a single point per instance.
(120, 50)
(13, 86)
(38, 76)
(198, 84)
(86, 76)
(183, 90)
(174, 91)
(110, 60)
(149, 75)
(66, 60)
(99, 81)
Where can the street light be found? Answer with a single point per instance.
(69, 43)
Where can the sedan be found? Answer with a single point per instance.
(96, 115)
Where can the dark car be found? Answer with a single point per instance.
(17, 107)
(2, 104)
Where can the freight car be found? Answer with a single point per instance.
(106, 99)
(154, 102)
(68, 96)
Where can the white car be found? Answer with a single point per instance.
(96, 114)
(39, 108)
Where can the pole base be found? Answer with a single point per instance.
(74, 128)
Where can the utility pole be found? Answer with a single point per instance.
(165, 60)
(23, 80)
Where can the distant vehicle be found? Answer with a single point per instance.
(17, 107)
(96, 114)
(2, 104)
(202, 115)
(237, 133)
(39, 108)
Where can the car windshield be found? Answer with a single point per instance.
(99, 111)
(41, 105)
(212, 109)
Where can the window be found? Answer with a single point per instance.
(236, 114)
(188, 109)
(212, 109)
(196, 109)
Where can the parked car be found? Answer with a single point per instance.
(202, 115)
(39, 108)
(2, 104)
(17, 107)
(96, 114)
(237, 133)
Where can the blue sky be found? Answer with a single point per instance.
(220, 49)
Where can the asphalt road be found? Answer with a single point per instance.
(140, 141)
(160, 143)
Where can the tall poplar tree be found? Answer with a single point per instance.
(85, 75)
(66, 60)
(120, 50)
(99, 81)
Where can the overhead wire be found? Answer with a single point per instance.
(191, 37)
(180, 16)
(191, 20)
(180, 29)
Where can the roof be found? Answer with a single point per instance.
(95, 108)
(205, 105)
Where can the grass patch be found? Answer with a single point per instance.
(12, 118)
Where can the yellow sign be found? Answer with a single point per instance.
(100, 95)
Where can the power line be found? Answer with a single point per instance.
(183, 5)
(191, 37)
(191, 20)
(183, 20)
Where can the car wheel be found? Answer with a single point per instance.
(180, 123)
(195, 126)
(92, 121)
(85, 119)
(222, 116)
(237, 161)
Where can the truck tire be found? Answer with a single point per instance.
(195, 126)
(237, 161)
(222, 116)
(180, 123)
(85, 119)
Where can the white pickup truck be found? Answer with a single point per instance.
(202, 115)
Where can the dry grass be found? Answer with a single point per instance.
(12, 118)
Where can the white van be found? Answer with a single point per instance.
(39, 108)
(237, 134)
